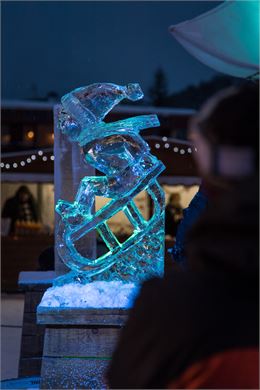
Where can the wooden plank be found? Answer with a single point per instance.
(77, 373)
(80, 316)
(80, 342)
(30, 320)
(30, 366)
(36, 280)
(31, 329)
(32, 346)
(32, 300)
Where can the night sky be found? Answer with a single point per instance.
(58, 46)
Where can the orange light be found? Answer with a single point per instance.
(30, 134)
(52, 135)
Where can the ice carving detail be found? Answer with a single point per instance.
(117, 150)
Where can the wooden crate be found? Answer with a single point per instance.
(78, 345)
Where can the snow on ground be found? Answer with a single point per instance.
(92, 295)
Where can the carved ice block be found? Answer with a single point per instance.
(118, 151)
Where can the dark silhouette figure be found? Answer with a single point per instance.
(21, 207)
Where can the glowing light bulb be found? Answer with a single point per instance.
(30, 134)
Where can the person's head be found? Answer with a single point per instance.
(23, 194)
(225, 133)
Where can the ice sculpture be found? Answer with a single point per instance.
(117, 150)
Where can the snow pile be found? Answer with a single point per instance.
(92, 295)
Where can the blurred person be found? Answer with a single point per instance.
(232, 161)
(21, 207)
(173, 214)
(200, 329)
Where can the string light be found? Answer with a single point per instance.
(33, 157)
(29, 160)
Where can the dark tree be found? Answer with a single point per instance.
(158, 93)
(194, 96)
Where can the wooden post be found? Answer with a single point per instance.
(78, 345)
(34, 284)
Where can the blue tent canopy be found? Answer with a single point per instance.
(225, 38)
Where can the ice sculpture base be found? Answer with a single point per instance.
(98, 295)
(79, 341)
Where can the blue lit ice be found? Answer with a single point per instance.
(117, 150)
